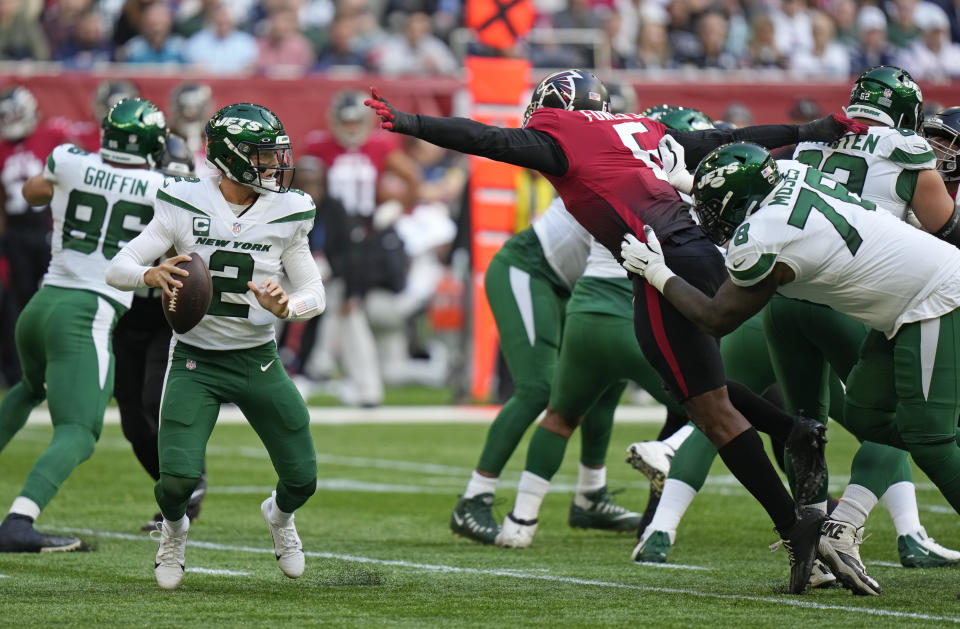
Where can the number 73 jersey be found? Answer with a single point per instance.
(846, 253)
(880, 165)
(97, 208)
(192, 216)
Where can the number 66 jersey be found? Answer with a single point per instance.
(267, 240)
(97, 208)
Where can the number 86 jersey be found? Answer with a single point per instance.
(97, 208)
(264, 241)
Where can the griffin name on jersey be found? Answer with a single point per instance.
(192, 216)
(865, 263)
(880, 165)
(89, 194)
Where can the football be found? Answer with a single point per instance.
(189, 302)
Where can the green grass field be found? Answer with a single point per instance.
(379, 551)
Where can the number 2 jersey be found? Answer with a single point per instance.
(881, 165)
(267, 241)
(97, 208)
(846, 254)
(614, 183)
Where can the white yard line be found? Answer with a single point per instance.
(441, 568)
(456, 414)
(219, 572)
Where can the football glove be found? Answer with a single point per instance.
(646, 258)
(829, 128)
(674, 164)
(390, 118)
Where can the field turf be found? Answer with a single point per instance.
(380, 552)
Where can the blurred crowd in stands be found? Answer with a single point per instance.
(807, 38)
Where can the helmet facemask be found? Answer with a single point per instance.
(947, 149)
(270, 165)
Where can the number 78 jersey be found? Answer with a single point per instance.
(191, 215)
(97, 208)
(846, 253)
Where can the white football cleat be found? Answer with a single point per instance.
(820, 576)
(652, 458)
(170, 561)
(286, 542)
(839, 548)
(516, 533)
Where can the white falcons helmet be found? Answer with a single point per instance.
(18, 113)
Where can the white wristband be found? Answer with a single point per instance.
(682, 181)
(658, 276)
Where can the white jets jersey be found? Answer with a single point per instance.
(97, 209)
(564, 241)
(880, 165)
(864, 263)
(193, 215)
(601, 263)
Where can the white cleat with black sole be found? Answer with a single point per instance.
(839, 549)
(516, 533)
(286, 542)
(171, 554)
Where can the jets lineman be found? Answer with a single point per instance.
(250, 234)
(63, 334)
(795, 231)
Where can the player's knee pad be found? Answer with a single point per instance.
(78, 440)
(536, 393)
(176, 488)
(304, 490)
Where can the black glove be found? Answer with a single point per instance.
(390, 118)
(829, 128)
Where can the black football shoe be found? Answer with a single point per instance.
(152, 523)
(801, 542)
(17, 535)
(806, 445)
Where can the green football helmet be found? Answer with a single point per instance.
(729, 185)
(134, 131)
(888, 95)
(679, 118)
(248, 144)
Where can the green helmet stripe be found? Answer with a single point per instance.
(51, 165)
(183, 205)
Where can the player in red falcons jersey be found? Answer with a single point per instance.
(612, 172)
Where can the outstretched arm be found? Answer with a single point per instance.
(698, 143)
(528, 148)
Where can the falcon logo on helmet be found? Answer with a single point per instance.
(572, 90)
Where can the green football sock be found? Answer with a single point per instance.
(506, 431)
(71, 446)
(597, 427)
(14, 411)
(545, 453)
(173, 494)
(693, 459)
